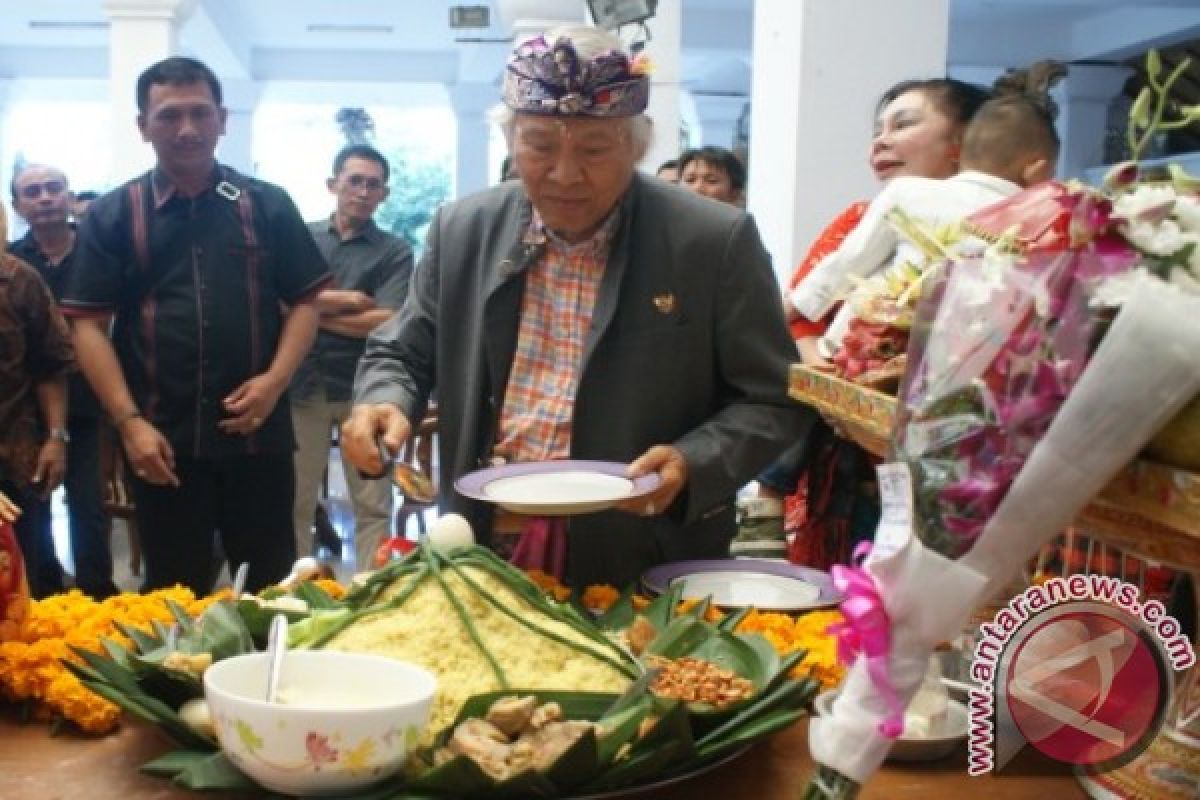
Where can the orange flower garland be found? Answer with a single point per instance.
(31, 667)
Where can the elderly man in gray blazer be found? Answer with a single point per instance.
(589, 312)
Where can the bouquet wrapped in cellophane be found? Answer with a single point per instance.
(1023, 397)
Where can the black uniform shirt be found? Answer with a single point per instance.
(198, 286)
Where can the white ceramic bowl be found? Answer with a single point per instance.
(349, 719)
(913, 748)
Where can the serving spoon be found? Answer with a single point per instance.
(415, 485)
(277, 645)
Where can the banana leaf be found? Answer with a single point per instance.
(667, 746)
(459, 777)
(620, 728)
(681, 637)
(528, 784)
(788, 696)
(673, 725)
(121, 686)
(201, 771)
(219, 631)
(142, 641)
(700, 609)
(662, 609)
(620, 614)
(730, 621)
(257, 617)
(315, 596)
(577, 765)
(742, 656)
(762, 726)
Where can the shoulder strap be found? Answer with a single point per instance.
(139, 229)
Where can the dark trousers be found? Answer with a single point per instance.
(783, 474)
(247, 500)
(89, 525)
(32, 528)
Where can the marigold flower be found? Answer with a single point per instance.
(600, 598)
(31, 660)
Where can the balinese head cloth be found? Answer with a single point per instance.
(551, 79)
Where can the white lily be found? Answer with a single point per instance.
(1144, 204)
(1162, 239)
(1187, 212)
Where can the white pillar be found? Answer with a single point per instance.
(236, 147)
(819, 68)
(719, 116)
(1083, 98)
(663, 51)
(141, 32)
(471, 102)
(5, 148)
(528, 18)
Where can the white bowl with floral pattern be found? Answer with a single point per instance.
(343, 720)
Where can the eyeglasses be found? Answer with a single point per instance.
(364, 182)
(52, 188)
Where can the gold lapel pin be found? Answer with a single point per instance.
(665, 303)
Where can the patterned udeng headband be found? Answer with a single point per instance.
(541, 79)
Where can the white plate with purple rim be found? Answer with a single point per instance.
(747, 583)
(556, 488)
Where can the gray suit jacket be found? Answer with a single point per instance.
(704, 368)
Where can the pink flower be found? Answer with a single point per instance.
(319, 750)
(1121, 175)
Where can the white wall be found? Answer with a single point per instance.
(819, 68)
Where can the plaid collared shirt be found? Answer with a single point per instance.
(556, 314)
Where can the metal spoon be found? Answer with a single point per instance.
(416, 486)
(277, 645)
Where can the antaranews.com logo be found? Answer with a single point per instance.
(1079, 668)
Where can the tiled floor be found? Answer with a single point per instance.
(338, 505)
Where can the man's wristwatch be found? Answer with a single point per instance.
(60, 434)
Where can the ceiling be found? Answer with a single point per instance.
(407, 42)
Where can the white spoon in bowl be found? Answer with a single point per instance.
(277, 645)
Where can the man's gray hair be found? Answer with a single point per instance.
(589, 42)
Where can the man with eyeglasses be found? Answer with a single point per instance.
(372, 269)
(588, 312)
(42, 197)
(211, 277)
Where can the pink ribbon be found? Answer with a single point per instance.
(867, 631)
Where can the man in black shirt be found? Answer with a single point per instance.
(41, 196)
(195, 261)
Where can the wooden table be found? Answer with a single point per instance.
(34, 766)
